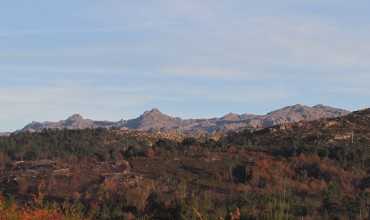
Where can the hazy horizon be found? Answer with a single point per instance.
(193, 59)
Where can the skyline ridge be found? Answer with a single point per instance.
(154, 119)
(157, 109)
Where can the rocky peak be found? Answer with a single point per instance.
(231, 117)
(292, 108)
(298, 107)
(76, 121)
(319, 106)
(154, 115)
(75, 117)
(154, 111)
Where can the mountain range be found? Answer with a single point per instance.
(155, 120)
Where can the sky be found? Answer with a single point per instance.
(114, 59)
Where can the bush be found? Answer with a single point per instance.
(241, 174)
(189, 141)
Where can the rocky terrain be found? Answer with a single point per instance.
(154, 120)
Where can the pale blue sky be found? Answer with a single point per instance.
(113, 59)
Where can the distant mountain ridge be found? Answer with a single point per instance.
(155, 120)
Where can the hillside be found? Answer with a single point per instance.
(154, 120)
(352, 129)
(305, 170)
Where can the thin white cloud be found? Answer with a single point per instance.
(200, 71)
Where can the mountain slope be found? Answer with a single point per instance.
(154, 120)
(349, 130)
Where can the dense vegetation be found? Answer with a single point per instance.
(305, 171)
